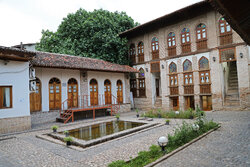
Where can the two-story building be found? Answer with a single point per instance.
(187, 58)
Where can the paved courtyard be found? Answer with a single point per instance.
(229, 146)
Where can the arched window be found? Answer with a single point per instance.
(187, 65)
(132, 53)
(54, 94)
(119, 91)
(173, 79)
(225, 32)
(204, 72)
(133, 84)
(93, 88)
(188, 77)
(72, 93)
(171, 44)
(155, 48)
(203, 63)
(142, 86)
(172, 67)
(201, 36)
(140, 52)
(185, 40)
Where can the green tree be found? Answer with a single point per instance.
(90, 34)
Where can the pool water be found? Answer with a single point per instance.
(102, 129)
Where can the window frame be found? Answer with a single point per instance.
(155, 48)
(225, 24)
(185, 37)
(132, 53)
(1, 96)
(188, 73)
(175, 84)
(140, 48)
(201, 32)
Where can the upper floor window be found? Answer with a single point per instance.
(132, 53)
(142, 86)
(171, 44)
(187, 66)
(5, 97)
(140, 52)
(201, 36)
(172, 67)
(141, 73)
(185, 40)
(155, 48)
(225, 32)
(205, 86)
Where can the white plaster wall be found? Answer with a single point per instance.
(16, 74)
(113, 77)
(45, 74)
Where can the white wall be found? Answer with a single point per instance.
(113, 77)
(16, 74)
(45, 74)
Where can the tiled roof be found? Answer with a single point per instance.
(54, 60)
(15, 54)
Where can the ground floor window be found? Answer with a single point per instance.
(189, 102)
(5, 97)
(175, 103)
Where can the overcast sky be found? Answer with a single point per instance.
(23, 20)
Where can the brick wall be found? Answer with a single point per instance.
(16, 124)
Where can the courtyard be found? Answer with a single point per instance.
(227, 146)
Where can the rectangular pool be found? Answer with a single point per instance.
(103, 129)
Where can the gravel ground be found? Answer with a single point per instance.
(228, 146)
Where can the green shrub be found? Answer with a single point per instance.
(119, 163)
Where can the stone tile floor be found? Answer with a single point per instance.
(229, 146)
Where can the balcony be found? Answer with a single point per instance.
(188, 89)
(174, 90)
(155, 67)
(226, 39)
(172, 51)
(205, 88)
(202, 44)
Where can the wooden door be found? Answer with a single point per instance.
(107, 91)
(72, 93)
(206, 103)
(157, 85)
(175, 103)
(189, 102)
(54, 94)
(93, 92)
(35, 98)
(119, 91)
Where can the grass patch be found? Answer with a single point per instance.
(188, 114)
(182, 135)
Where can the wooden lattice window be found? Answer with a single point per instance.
(225, 32)
(205, 86)
(155, 67)
(188, 78)
(185, 40)
(171, 44)
(133, 87)
(155, 48)
(140, 52)
(227, 55)
(201, 36)
(5, 97)
(173, 80)
(132, 53)
(142, 86)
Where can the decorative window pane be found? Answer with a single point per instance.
(173, 43)
(156, 47)
(172, 68)
(203, 63)
(187, 65)
(222, 29)
(199, 36)
(141, 73)
(187, 39)
(228, 28)
(169, 43)
(203, 35)
(183, 40)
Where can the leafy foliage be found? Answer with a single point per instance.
(172, 114)
(90, 34)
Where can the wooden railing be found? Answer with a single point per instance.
(172, 51)
(186, 48)
(140, 58)
(188, 89)
(155, 55)
(201, 44)
(84, 102)
(226, 39)
(155, 67)
(174, 90)
(205, 88)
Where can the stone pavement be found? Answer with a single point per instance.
(27, 150)
(228, 146)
